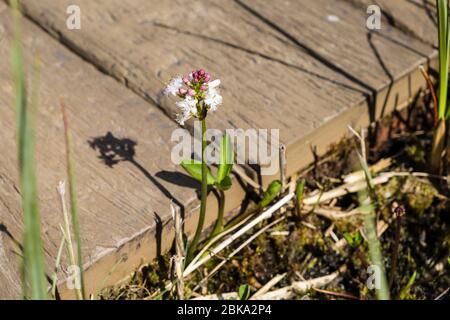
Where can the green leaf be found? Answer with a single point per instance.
(194, 168)
(273, 190)
(357, 239)
(405, 291)
(225, 184)
(244, 292)
(353, 240)
(226, 158)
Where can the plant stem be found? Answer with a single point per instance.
(73, 197)
(444, 40)
(444, 44)
(204, 194)
(438, 147)
(218, 227)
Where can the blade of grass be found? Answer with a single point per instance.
(34, 272)
(366, 198)
(57, 264)
(439, 141)
(444, 43)
(73, 194)
(405, 291)
(66, 230)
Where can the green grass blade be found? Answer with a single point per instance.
(405, 291)
(444, 45)
(34, 272)
(73, 195)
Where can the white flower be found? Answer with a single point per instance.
(174, 86)
(188, 108)
(214, 84)
(212, 97)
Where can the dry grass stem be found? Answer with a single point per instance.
(241, 173)
(237, 250)
(179, 247)
(283, 167)
(269, 285)
(288, 292)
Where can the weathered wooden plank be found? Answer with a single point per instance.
(124, 206)
(143, 43)
(292, 65)
(336, 32)
(416, 17)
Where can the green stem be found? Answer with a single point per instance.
(204, 194)
(241, 217)
(444, 42)
(218, 227)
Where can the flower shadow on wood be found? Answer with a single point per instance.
(113, 150)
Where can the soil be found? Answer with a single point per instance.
(304, 246)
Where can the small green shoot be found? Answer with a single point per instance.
(299, 195)
(244, 292)
(404, 293)
(354, 240)
(273, 191)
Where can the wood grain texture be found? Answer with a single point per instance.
(336, 32)
(267, 83)
(284, 64)
(415, 17)
(120, 206)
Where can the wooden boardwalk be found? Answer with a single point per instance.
(308, 68)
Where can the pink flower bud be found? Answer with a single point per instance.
(185, 80)
(191, 92)
(201, 72)
(202, 87)
(207, 77)
(182, 91)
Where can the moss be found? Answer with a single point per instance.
(421, 196)
(416, 154)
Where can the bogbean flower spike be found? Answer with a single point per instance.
(198, 93)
